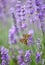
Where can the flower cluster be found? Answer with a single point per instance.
(29, 7)
(4, 56)
(11, 35)
(40, 12)
(20, 15)
(38, 57)
(22, 12)
(27, 17)
(24, 59)
(18, 10)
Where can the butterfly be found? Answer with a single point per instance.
(23, 41)
(25, 38)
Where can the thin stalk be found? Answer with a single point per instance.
(15, 24)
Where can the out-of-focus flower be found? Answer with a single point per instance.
(23, 63)
(20, 14)
(20, 59)
(4, 4)
(11, 35)
(4, 56)
(11, 10)
(43, 8)
(24, 26)
(38, 57)
(38, 9)
(27, 56)
(41, 16)
(29, 7)
(23, 13)
(30, 41)
(31, 32)
(21, 52)
(38, 6)
(24, 58)
(38, 2)
(18, 10)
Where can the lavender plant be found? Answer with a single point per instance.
(4, 57)
(26, 45)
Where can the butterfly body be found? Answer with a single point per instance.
(25, 38)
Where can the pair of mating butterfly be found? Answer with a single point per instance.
(25, 38)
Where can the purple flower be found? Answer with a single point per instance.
(31, 32)
(41, 16)
(27, 56)
(24, 59)
(14, 19)
(11, 10)
(20, 13)
(38, 6)
(38, 9)
(40, 13)
(18, 10)
(23, 63)
(24, 26)
(20, 52)
(38, 2)
(4, 56)
(20, 59)
(30, 41)
(4, 3)
(38, 57)
(11, 35)
(43, 8)
(23, 13)
(29, 7)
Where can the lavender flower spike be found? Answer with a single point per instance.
(38, 57)
(27, 56)
(4, 56)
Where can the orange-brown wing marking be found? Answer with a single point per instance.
(25, 38)
(23, 41)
